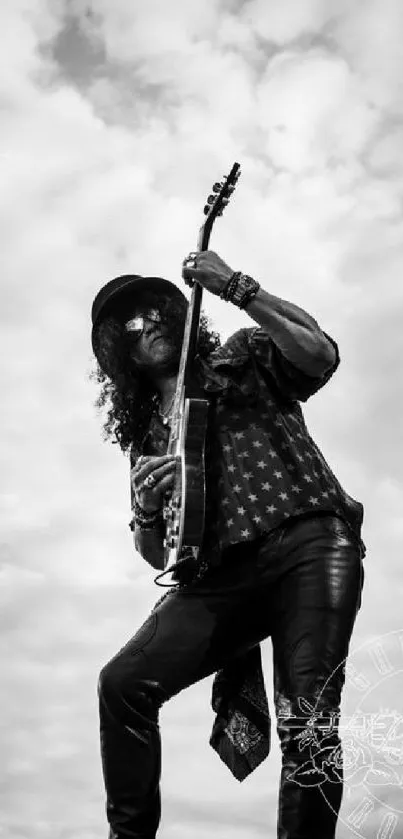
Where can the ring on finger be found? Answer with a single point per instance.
(191, 260)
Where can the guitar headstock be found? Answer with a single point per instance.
(217, 201)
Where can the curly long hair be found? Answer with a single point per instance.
(127, 396)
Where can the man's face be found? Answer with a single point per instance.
(150, 343)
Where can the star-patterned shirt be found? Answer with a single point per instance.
(262, 465)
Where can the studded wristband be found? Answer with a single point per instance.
(244, 289)
(250, 292)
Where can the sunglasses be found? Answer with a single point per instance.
(135, 326)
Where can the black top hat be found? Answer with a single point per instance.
(127, 289)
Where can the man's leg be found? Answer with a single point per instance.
(317, 596)
(190, 635)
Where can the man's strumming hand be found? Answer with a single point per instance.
(162, 469)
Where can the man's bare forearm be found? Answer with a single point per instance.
(296, 333)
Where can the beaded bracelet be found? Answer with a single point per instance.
(143, 519)
(227, 291)
(146, 524)
(141, 513)
(240, 289)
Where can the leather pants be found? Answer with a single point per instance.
(301, 585)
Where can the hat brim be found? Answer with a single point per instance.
(127, 290)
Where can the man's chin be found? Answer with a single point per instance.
(170, 366)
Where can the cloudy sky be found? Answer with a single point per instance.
(117, 117)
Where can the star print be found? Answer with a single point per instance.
(230, 522)
(272, 453)
(283, 496)
(227, 448)
(241, 511)
(248, 475)
(271, 508)
(257, 519)
(261, 464)
(252, 497)
(325, 494)
(278, 474)
(225, 501)
(313, 500)
(300, 458)
(231, 468)
(239, 435)
(296, 488)
(245, 532)
(307, 479)
(257, 444)
(267, 486)
(244, 454)
(253, 425)
(236, 488)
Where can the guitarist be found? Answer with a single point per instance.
(282, 552)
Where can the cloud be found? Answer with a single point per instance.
(117, 119)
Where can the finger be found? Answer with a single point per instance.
(148, 464)
(187, 276)
(157, 472)
(166, 483)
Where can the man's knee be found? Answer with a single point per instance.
(122, 688)
(110, 680)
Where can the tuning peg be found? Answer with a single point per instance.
(231, 188)
(206, 209)
(211, 199)
(217, 187)
(225, 201)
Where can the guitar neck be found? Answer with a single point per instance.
(213, 208)
(189, 346)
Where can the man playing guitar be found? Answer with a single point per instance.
(281, 552)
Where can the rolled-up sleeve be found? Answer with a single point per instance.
(291, 382)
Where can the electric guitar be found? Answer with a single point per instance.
(184, 510)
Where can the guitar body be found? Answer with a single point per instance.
(185, 511)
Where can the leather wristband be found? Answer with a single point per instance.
(250, 292)
(240, 289)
